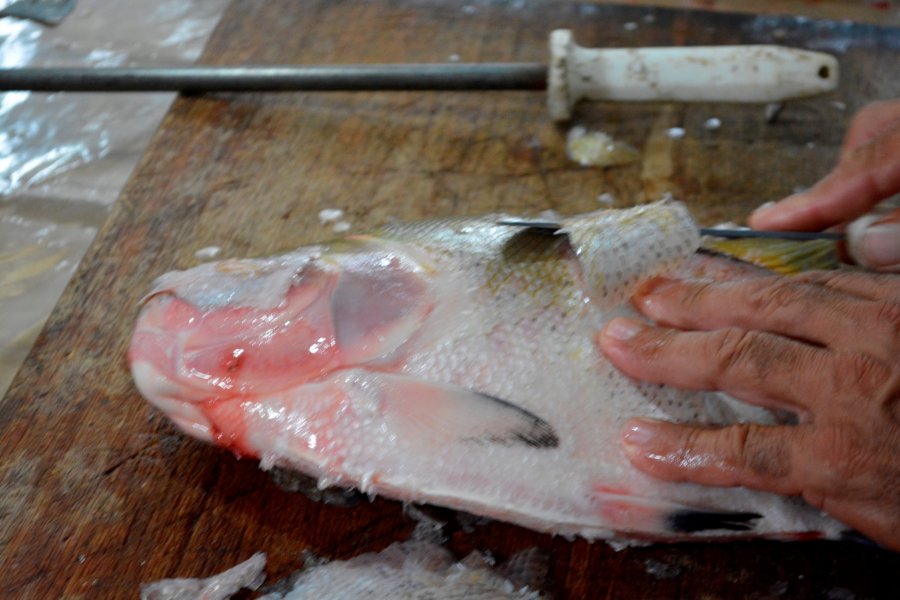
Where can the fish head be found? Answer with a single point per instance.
(232, 329)
(238, 330)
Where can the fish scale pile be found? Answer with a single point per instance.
(418, 569)
(452, 362)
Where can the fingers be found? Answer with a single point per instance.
(865, 175)
(831, 310)
(871, 286)
(746, 455)
(870, 122)
(760, 368)
(873, 241)
(781, 305)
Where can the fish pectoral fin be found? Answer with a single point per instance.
(432, 413)
(376, 307)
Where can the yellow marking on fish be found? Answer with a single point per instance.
(239, 267)
(786, 257)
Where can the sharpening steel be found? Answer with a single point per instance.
(752, 73)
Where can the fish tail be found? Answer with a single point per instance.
(786, 257)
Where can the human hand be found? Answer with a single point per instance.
(868, 171)
(824, 345)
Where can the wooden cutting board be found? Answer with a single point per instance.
(98, 493)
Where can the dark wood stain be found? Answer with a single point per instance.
(99, 493)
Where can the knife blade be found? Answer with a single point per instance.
(552, 226)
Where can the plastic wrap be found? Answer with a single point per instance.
(43, 136)
(65, 157)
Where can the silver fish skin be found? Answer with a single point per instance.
(453, 362)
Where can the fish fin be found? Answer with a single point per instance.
(438, 413)
(786, 257)
(851, 535)
(694, 521)
(376, 307)
(626, 512)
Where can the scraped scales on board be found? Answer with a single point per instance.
(417, 569)
(450, 362)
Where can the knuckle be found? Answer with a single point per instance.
(864, 376)
(739, 444)
(697, 293)
(736, 349)
(781, 298)
(762, 456)
(778, 292)
(691, 439)
(829, 280)
(887, 314)
(657, 344)
(843, 455)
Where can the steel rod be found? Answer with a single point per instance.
(482, 76)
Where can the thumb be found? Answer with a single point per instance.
(873, 241)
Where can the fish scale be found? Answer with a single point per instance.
(464, 372)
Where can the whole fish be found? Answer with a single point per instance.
(453, 362)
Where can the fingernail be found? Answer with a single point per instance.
(658, 285)
(650, 299)
(773, 214)
(880, 245)
(762, 208)
(622, 329)
(638, 432)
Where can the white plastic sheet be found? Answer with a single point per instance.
(65, 157)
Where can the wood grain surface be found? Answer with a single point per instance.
(98, 492)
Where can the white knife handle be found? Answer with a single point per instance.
(758, 73)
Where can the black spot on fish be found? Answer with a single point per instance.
(851, 535)
(528, 429)
(692, 521)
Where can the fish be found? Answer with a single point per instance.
(454, 362)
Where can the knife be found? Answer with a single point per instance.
(552, 226)
(749, 73)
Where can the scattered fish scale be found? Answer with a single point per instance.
(415, 569)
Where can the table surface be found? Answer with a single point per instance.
(99, 493)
